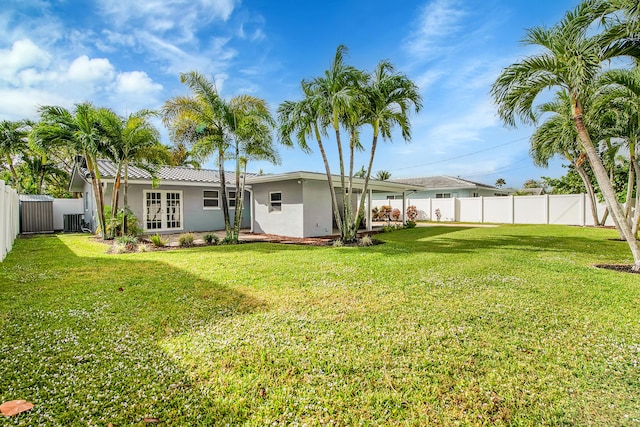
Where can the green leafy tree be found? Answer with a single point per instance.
(79, 130)
(571, 59)
(383, 175)
(344, 98)
(239, 128)
(13, 143)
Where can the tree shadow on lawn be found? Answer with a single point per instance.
(82, 336)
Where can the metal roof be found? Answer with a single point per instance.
(108, 170)
(35, 198)
(438, 182)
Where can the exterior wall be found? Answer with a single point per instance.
(195, 216)
(89, 206)
(569, 209)
(289, 220)
(62, 207)
(317, 209)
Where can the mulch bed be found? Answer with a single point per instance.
(624, 268)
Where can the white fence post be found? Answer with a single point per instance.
(9, 221)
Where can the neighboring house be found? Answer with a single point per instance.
(445, 187)
(294, 204)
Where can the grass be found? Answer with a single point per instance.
(438, 326)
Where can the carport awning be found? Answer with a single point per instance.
(358, 183)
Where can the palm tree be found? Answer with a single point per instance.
(571, 60)
(182, 156)
(13, 142)
(383, 175)
(80, 131)
(252, 139)
(620, 96)
(132, 141)
(389, 97)
(233, 129)
(337, 96)
(558, 136)
(303, 119)
(500, 182)
(202, 120)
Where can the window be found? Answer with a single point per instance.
(476, 194)
(162, 210)
(210, 199)
(275, 201)
(395, 197)
(232, 199)
(443, 195)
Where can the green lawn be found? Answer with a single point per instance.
(438, 326)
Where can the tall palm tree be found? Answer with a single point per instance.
(80, 131)
(337, 95)
(133, 140)
(13, 142)
(389, 98)
(252, 139)
(558, 136)
(571, 60)
(303, 119)
(202, 120)
(383, 175)
(182, 156)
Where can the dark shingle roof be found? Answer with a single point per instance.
(444, 182)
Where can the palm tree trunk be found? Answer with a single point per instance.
(94, 183)
(223, 190)
(345, 216)
(332, 190)
(125, 202)
(636, 217)
(237, 209)
(630, 181)
(240, 202)
(374, 144)
(116, 191)
(605, 185)
(352, 230)
(590, 191)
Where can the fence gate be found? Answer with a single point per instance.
(36, 214)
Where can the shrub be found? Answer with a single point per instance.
(126, 244)
(412, 213)
(158, 241)
(375, 212)
(395, 214)
(113, 224)
(410, 224)
(143, 247)
(365, 241)
(186, 240)
(338, 243)
(211, 239)
(385, 212)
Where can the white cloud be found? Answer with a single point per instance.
(22, 54)
(136, 82)
(439, 21)
(96, 70)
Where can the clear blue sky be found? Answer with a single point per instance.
(127, 55)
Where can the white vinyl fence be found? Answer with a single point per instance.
(9, 220)
(567, 209)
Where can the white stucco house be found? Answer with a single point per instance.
(293, 204)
